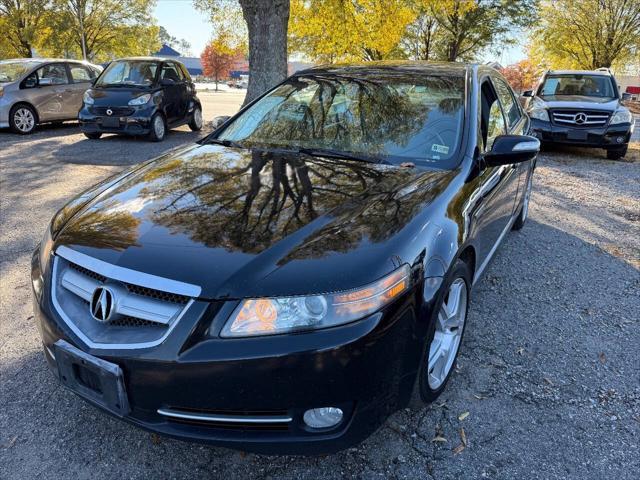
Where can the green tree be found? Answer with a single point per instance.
(21, 22)
(588, 34)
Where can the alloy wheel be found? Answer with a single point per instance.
(24, 120)
(197, 118)
(448, 333)
(158, 126)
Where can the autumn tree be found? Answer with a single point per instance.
(267, 24)
(218, 58)
(588, 34)
(335, 30)
(21, 21)
(522, 75)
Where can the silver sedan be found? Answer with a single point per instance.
(38, 90)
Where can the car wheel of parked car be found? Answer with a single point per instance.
(524, 211)
(93, 135)
(618, 153)
(158, 128)
(22, 119)
(196, 120)
(445, 335)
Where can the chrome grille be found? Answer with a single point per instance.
(580, 118)
(139, 315)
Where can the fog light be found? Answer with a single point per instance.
(323, 417)
(619, 139)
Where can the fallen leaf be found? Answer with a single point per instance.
(458, 449)
(155, 439)
(10, 443)
(463, 415)
(520, 351)
(548, 381)
(603, 358)
(479, 397)
(463, 436)
(439, 439)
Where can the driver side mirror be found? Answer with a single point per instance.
(218, 121)
(166, 82)
(508, 149)
(527, 93)
(45, 82)
(30, 82)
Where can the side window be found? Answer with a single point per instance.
(491, 118)
(54, 74)
(185, 73)
(169, 72)
(509, 103)
(81, 74)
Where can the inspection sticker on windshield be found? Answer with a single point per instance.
(440, 148)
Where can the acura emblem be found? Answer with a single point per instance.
(101, 304)
(580, 117)
(109, 111)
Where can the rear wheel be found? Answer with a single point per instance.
(196, 120)
(445, 336)
(524, 211)
(22, 119)
(158, 128)
(93, 135)
(617, 153)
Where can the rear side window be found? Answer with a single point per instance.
(54, 74)
(81, 74)
(170, 72)
(509, 103)
(185, 72)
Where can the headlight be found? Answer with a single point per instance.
(621, 116)
(87, 98)
(45, 249)
(141, 100)
(270, 316)
(1, 91)
(539, 114)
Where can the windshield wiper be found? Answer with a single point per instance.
(226, 143)
(327, 152)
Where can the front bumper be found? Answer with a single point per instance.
(608, 137)
(135, 122)
(366, 368)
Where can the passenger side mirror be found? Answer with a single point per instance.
(508, 149)
(166, 82)
(30, 82)
(218, 121)
(527, 93)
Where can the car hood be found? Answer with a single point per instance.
(581, 102)
(246, 223)
(116, 96)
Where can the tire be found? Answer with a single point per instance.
(435, 368)
(618, 153)
(23, 119)
(196, 120)
(158, 128)
(93, 135)
(524, 211)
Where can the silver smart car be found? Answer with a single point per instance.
(41, 90)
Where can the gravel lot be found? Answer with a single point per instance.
(549, 371)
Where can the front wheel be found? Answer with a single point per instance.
(617, 153)
(196, 120)
(524, 211)
(22, 119)
(158, 128)
(445, 335)
(93, 135)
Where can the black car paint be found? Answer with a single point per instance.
(175, 102)
(384, 217)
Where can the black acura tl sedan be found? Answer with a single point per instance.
(301, 273)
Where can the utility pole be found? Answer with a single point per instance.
(81, 20)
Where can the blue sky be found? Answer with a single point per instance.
(183, 21)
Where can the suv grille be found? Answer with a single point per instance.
(580, 118)
(116, 111)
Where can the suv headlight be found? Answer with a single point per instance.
(270, 316)
(539, 114)
(45, 249)
(141, 100)
(621, 116)
(87, 98)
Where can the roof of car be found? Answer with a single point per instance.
(43, 60)
(154, 59)
(402, 66)
(580, 72)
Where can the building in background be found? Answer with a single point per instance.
(193, 64)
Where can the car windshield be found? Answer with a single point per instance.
(139, 73)
(583, 85)
(389, 117)
(12, 71)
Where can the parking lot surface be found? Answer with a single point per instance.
(547, 384)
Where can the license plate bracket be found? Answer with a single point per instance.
(577, 135)
(97, 380)
(111, 122)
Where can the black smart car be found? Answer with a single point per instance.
(303, 272)
(140, 96)
(580, 108)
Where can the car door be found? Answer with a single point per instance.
(81, 78)
(183, 92)
(498, 186)
(45, 89)
(170, 81)
(517, 124)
